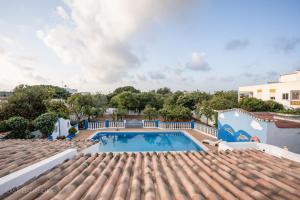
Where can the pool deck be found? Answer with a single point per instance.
(85, 134)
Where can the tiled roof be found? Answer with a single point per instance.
(17, 154)
(287, 124)
(279, 122)
(192, 175)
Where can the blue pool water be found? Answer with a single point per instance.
(144, 142)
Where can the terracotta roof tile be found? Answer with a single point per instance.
(18, 154)
(247, 174)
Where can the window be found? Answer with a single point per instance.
(295, 95)
(272, 98)
(272, 90)
(285, 96)
(259, 90)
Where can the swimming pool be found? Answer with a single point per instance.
(144, 142)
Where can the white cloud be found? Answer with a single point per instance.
(60, 11)
(255, 125)
(17, 66)
(157, 75)
(198, 62)
(98, 34)
(141, 77)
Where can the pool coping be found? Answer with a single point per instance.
(202, 146)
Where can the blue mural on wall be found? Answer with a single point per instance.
(234, 126)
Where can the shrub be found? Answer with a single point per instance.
(45, 123)
(274, 106)
(18, 127)
(257, 105)
(4, 126)
(253, 105)
(290, 111)
(72, 131)
(73, 122)
(61, 137)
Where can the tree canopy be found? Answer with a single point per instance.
(257, 105)
(27, 101)
(92, 106)
(150, 112)
(175, 112)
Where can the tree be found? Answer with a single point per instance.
(92, 106)
(18, 127)
(190, 99)
(46, 123)
(27, 101)
(253, 105)
(164, 91)
(221, 103)
(150, 112)
(175, 112)
(3, 111)
(126, 100)
(171, 99)
(122, 89)
(58, 92)
(126, 89)
(121, 113)
(58, 107)
(79, 104)
(205, 109)
(149, 98)
(224, 100)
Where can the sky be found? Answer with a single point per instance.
(98, 45)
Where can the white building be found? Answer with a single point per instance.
(62, 127)
(286, 91)
(237, 125)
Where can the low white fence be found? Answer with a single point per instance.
(149, 124)
(95, 125)
(116, 124)
(175, 125)
(206, 130)
(213, 132)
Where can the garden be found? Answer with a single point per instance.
(38, 107)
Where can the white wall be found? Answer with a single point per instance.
(62, 127)
(290, 77)
(281, 137)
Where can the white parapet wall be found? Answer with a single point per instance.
(270, 149)
(19, 177)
